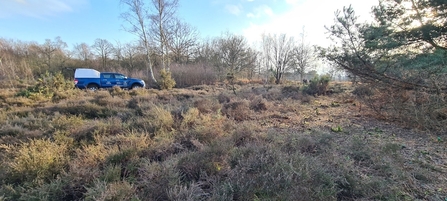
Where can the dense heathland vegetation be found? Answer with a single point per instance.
(264, 142)
(220, 121)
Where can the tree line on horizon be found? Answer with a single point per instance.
(403, 47)
(164, 42)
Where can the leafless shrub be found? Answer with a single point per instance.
(190, 75)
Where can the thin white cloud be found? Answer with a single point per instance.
(309, 14)
(234, 9)
(38, 8)
(260, 12)
(293, 2)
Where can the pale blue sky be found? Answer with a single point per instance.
(77, 21)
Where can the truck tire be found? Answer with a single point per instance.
(136, 86)
(92, 87)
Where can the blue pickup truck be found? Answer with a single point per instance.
(85, 78)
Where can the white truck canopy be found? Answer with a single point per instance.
(86, 73)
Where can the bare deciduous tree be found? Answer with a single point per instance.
(303, 56)
(137, 17)
(233, 53)
(83, 52)
(132, 59)
(182, 41)
(278, 52)
(104, 49)
(54, 52)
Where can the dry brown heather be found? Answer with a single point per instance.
(207, 143)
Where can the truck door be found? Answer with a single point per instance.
(121, 80)
(108, 80)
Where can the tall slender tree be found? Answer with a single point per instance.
(138, 21)
(163, 18)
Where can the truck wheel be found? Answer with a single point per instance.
(136, 86)
(92, 87)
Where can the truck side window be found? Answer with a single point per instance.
(107, 76)
(119, 76)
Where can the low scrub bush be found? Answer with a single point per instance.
(266, 173)
(87, 110)
(317, 86)
(290, 89)
(87, 164)
(190, 118)
(194, 166)
(238, 110)
(159, 119)
(118, 91)
(274, 93)
(362, 91)
(64, 122)
(244, 134)
(166, 80)
(203, 127)
(138, 92)
(47, 86)
(205, 105)
(259, 104)
(223, 98)
(156, 178)
(413, 108)
(104, 191)
(20, 101)
(37, 160)
(189, 192)
(13, 131)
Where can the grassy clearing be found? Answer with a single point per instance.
(207, 143)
